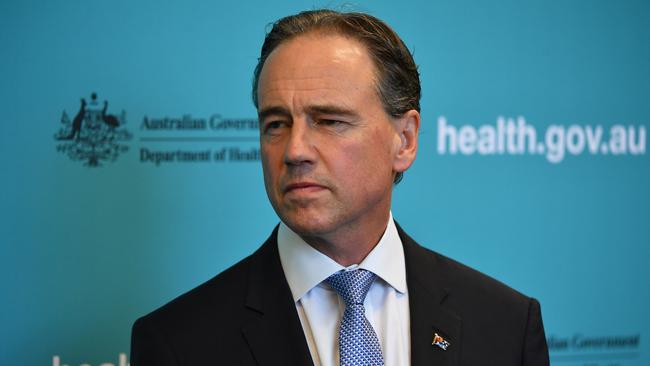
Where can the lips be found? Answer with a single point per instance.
(303, 187)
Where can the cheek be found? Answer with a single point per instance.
(366, 158)
(381, 151)
(269, 166)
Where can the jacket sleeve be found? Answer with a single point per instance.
(535, 352)
(148, 346)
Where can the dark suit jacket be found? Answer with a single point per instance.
(246, 316)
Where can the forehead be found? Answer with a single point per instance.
(317, 66)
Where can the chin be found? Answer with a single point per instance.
(306, 224)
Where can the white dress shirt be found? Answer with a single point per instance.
(320, 308)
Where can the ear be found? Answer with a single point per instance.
(408, 128)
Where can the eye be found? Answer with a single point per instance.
(272, 127)
(330, 122)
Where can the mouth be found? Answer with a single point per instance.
(305, 187)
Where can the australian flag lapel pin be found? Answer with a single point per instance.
(440, 342)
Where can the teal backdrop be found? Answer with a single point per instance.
(532, 164)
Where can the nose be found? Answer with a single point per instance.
(300, 150)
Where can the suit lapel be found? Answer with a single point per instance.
(272, 328)
(427, 294)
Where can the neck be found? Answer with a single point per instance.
(350, 245)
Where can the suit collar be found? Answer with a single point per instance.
(271, 327)
(426, 277)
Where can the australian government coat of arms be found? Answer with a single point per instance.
(93, 136)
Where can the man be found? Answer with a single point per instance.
(338, 282)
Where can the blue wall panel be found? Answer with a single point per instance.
(563, 217)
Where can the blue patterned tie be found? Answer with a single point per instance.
(358, 343)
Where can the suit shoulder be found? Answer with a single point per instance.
(222, 293)
(203, 323)
(485, 307)
(484, 304)
(467, 282)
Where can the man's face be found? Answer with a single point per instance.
(328, 147)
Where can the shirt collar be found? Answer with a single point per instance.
(306, 267)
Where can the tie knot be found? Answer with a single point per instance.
(352, 286)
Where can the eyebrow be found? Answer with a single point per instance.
(332, 109)
(314, 109)
(273, 111)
